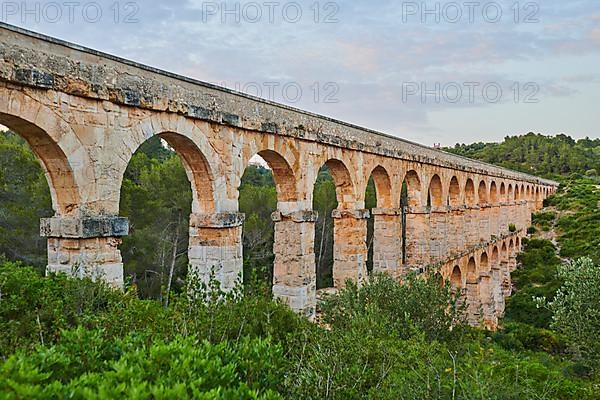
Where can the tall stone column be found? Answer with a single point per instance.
(490, 320)
(387, 241)
(294, 274)
(497, 291)
(457, 230)
(439, 230)
(86, 246)
(484, 223)
(503, 217)
(472, 235)
(473, 302)
(350, 247)
(494, 218)
(506, 282)
(417, 237)
(216, 247)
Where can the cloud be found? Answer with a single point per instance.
(368, 54)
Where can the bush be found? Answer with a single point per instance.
(416, 306)
(34, 309)
(85, 365)
(576, 306)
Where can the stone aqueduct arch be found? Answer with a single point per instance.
(85, 123)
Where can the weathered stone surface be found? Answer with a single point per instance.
(72, 227)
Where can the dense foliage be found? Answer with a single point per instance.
(97, 343)
(24, 199)
(537, 154)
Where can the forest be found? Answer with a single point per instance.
(67, 338)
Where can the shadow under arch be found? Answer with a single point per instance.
(454, 192)
(456, 278)
(470, 192)
(283, 175)
(59, 174)
(435, 193)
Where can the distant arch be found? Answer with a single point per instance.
(522, 192)
(413, 188)
(484, 262)
(510, 192)
(435, 192)
(283, 175)
(502, 192)
(472, 271)
(454, 192)
(456, 278)
(383, 187)
(344, 187)
(470, 192)
(495, 258)
(50, 139)
(482, 193)
(504, 251)
(493, 193)
(517, 196)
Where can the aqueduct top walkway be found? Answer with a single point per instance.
(85, 113)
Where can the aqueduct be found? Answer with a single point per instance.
(85, 113)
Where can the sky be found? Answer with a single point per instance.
(428, 71)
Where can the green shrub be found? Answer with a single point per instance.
(34, 309)
(576, 306)
(85, 365)
(416, 306)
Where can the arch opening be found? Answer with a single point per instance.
(166, 180)
(333, 189)
(435, 196)
(482, 193)
(456, 278)
(377, 195)
(493, 193)
(454, 193)
(470, 192)
(26, 195)
(267, 181)
(410, 197)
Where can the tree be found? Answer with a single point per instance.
(576, 306)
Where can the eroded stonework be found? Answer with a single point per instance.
(85, 113)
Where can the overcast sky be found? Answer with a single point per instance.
(432, 72)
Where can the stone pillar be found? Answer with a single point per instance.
(216, 248)
(457, 230)
(506, 282)
(417, 237)
(294, 273)
(484, 223)
(438, 234)
(497, 292)
(473, 302)
(86, 246)
(471, 233)
(350, 246)
(490, 320)
(387, 241)
(503, 217)
(494, 218)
